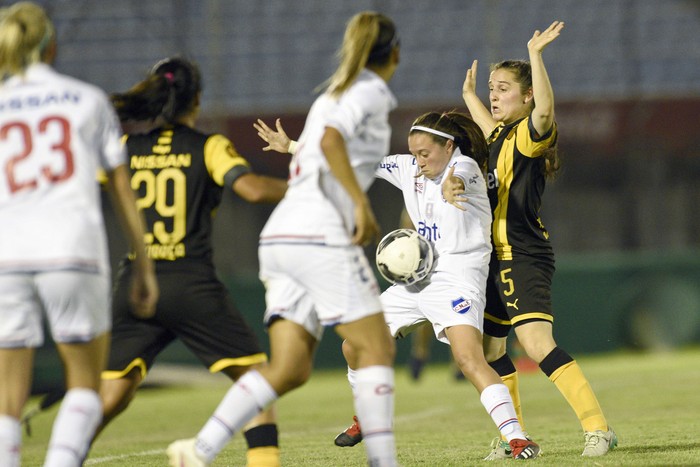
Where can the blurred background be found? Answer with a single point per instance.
(626, 75)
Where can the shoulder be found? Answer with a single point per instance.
(372, 91)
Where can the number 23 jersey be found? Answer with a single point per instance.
(178, 174)
(56, 132)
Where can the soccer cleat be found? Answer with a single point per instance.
(182, 453)
(351, 436)
(522, 449)
(500, 449)
(598, 443)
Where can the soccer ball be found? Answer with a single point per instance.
(404, 257)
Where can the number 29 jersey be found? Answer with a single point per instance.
(56, 132)
(178, 174)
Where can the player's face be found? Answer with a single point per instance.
(508, 103)
(431, 157)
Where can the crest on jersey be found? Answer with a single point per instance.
(418, 186)
(461, 305)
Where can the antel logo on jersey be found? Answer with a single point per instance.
(461, 305)
(492, 179)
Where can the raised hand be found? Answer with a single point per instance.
(540, 40)
(469, 86)
(276, 140)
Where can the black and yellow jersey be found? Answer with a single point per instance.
(178, 174)
(516, 182)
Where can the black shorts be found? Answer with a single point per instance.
(518, 291)
(195, 307)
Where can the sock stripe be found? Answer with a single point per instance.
(229, 429)
(510, 421)
(497, 406)
(377, 433)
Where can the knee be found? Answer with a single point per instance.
(285, 379)
(494, 348)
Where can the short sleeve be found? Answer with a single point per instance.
(220, 157)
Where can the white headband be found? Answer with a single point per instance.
(433, 131)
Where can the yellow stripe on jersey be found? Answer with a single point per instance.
(493, 319)
(517, 143)
(528, 316)
(220, 156)
(241, 361)
(504, 166)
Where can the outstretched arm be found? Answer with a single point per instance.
(543, 113)
(479, 112)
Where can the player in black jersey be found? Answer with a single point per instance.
(179, 175)
(522, 134)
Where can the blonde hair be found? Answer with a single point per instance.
(369, 40)
(25, 32)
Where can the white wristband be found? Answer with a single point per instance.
(292, 147)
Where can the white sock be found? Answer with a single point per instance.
(74, 427)
(10, 441)
(498, 403)
(352, 378)
(374, 406)
(248, 397)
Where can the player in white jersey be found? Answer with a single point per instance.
(311, 260)
(444, 193)
(55, 133)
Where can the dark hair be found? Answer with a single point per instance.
(468, 136)
(169, 91)
(522, 71)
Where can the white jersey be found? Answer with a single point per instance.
(457, 236)
(55, 133)
(455, 292)
(316, 208)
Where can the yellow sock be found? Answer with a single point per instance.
(573, 385)
(266, 456)
(513, 385)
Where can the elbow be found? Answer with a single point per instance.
(330, 140)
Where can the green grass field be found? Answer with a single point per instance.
(652, 401)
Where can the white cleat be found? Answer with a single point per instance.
(182, 453)
(598, 443)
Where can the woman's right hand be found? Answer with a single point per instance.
(366, 226)
(469, 86)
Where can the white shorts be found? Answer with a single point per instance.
(444, 300)
(77, 306)
(316, 286)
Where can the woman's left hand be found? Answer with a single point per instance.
(540, 40)
(453, 190)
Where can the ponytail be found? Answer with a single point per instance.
(25, 33)
(170, 91)
(369, 40)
